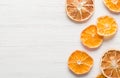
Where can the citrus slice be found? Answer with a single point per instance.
(79, 10)
(90, 38)
(100, 76)
(80, 62)
(110, 64)
(106, 26)
(112, 5)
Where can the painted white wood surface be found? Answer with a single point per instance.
(36, 39)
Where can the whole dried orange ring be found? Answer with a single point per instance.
(80, 10)
(110, 64)
(112, 5)
(106, 26)
(90, 38)
(80, 62)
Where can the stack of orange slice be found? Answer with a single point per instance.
(79, 10)
(92, 36)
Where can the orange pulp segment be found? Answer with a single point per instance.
(110, 64)
(79, 10)
(80, 62)
(90, 38)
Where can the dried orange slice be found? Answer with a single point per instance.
(106, 26)
(90, 38)
(100, 76)
(112, 5)
(110, 64)
(80, 62)
(79, 10)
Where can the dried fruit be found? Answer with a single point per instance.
(112, 5)
(110, 64)
(79, 10)
(90, 38)
(80, 62)
(106, 26)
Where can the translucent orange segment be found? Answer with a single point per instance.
(90, 38)
(84, 69)
(79, 10)
(118, 55)
(111, 54)
(83, 56)
(70, 1)
(114, 74)
(108, 72)
(78, 62)
(89, 2)
(88, 8)
(105, 64)
(84, 13)
(118, 63)
(113, 5)
(73, 11)
(88, 61)
(106, 57)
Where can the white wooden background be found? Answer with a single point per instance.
(36, 39)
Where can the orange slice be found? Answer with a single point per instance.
(110, 64)
(106, 26)
(79, 10)
(90, 38)
(80, 62)
(100, 76)
(112, 5)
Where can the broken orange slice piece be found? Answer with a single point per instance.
(90, 38)
(79, 10)
(80, 62)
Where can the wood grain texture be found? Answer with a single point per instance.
(37, 37)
